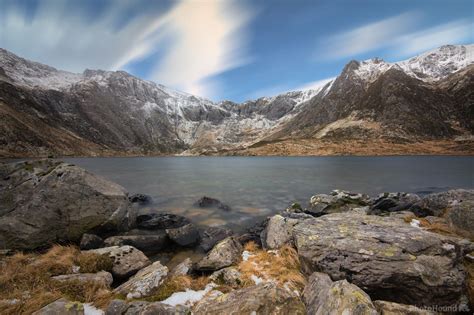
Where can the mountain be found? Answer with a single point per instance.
(421, 105)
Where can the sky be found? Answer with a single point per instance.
(226, 49)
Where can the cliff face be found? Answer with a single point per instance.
(47, 111)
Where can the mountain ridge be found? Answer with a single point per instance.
(116, 113)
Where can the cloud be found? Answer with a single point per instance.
(207, 38)
(400, 34)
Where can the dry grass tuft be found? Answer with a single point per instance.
(282, 266)
(251, 246)
(435, 227)
(177, 284)
(26, 278)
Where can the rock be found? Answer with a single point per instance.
(182, 268)
(384, 256)
(253, 233)
(265, 298)
(141, 199)
(62, 307)
(102, 278)
(127, 259)
(161, 221)
(208, 202)
(147, 243)
(91, 241)
(436, 204)
(120, 307)
(211, 235)
(394, 202)
(322, 296)
(228, 276)
(279, 231)
(185, 235)
(225, 253)
(391, 308)
(44, 202)
(144, 281)
(294, 208)
(460, 218)
(338, 201)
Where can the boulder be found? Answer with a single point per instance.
(185, 235)
(91, 241)
(148, 243)
(144, 281)
(44, 202)
(127, 260)
(211, 235)
(120, 307)
(279, 231)
(337, 201)
(391, 308)
(394, 202)
(103, 278)
(141, 199)
(228, 276)
(386, 257)
(460, 218)
(161, 221)
(265, 298)
(182, 268)
(436, 204)
(62, 307)
(323, 296)
(224, 254)
(208, 202)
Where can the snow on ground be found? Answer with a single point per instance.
(90, 309)
(256, 279)
(246, 255)
(415, 223)
(189, 296)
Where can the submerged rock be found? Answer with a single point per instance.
(265, 298)
(161, 221)
(185, 235)
(127, 260)
(337, 201)
(149, 243)
(91, 241)
(322, 296)
(141, 199)
(211, 235)
(208, 202)
(384, 256)
(224, 254)
(144, 281)
(102, 278)
(44, 202)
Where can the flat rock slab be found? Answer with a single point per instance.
(103, 278)
(147, 243)
(127, 259)
(144, 282)
(384, 256)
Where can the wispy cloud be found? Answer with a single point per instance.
(401, 34)
(203, 39)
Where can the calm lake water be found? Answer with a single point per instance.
(255, 187)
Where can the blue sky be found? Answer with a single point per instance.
(224, 49)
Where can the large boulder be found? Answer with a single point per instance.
(44, 202)
(337, 201)
(148, 243)
(460, 218)
(224, 254)
(323, 296)
(265, 298)
(437, 204)
(185, 235)
(127, 260)
(144, 281)
(102, 278)
(279, 231)
(386, 257)
(161, 221)
(394, 202)
(211, 235)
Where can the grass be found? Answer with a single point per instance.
(27, 279)
(436, 227)
(177, 284)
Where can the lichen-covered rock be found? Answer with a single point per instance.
(185, 235)
(120, 307)
(224, 254)
(182, 268)
(436, 204)
(62, 307)
(322, 296)
(279, 231)
(265, 298)
(91, 241)
(228, 276)
(391, 308)
(127, 260)
(149, 243)
(44, 202)
(384, 256)
(460, 218)
(102, 278)
(144, 281)
(394, 202)
(337, 201)
(211, 235)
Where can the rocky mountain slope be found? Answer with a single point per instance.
(425, 102)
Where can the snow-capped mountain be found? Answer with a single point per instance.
(105, 112)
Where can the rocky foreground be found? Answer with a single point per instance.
(345, 253)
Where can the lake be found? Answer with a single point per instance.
(255, 187)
